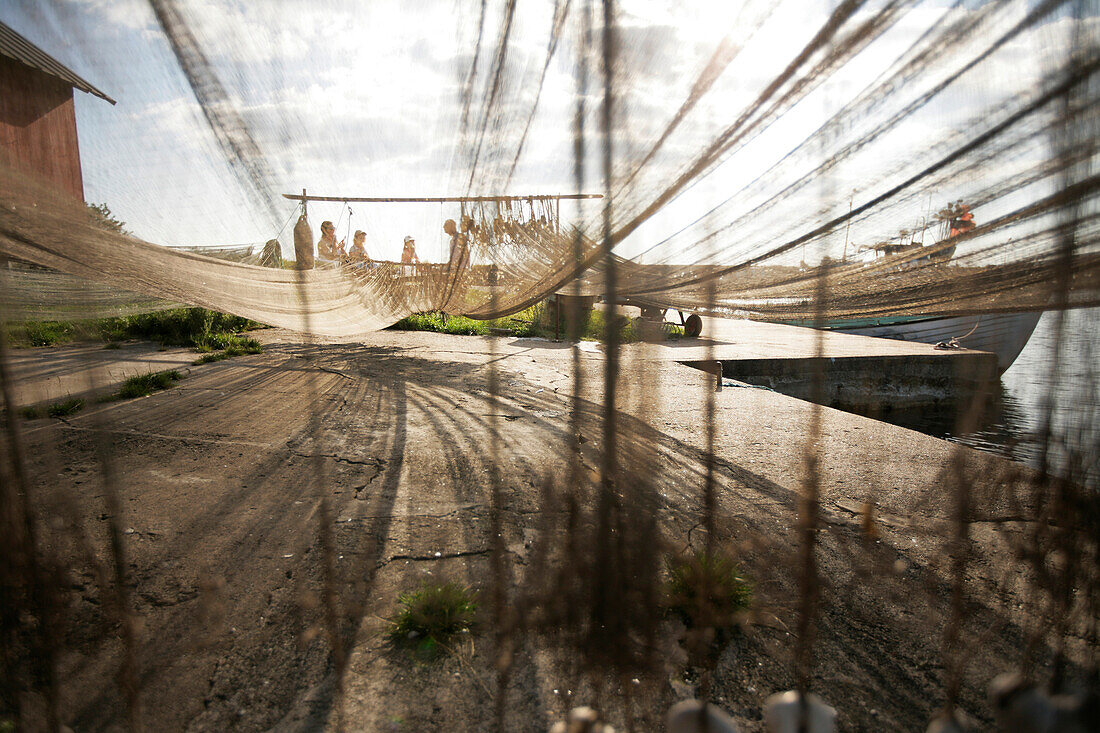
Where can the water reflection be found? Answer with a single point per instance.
(1002, 428)
(1048, 376)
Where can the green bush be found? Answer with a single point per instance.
(528, 323)
(522, 324)
(525, 324)
(595, 328)
(202, 329)
(432, 614)
(706, 589)
(434, 321)
(41, 333)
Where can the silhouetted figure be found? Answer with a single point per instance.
(460, 249)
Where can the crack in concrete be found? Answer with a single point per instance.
(337, 372)
(378, 463)
(435, 556)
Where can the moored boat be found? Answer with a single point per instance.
(1003, 334)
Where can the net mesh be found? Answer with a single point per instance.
(949, 118)
(796, 162)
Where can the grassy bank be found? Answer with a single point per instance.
(462, 326)
(201, 329)
(527, 323)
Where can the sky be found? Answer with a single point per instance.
(365, 99)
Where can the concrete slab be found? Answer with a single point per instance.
(223, 477)
(726, 339)
(53, 373)
(858, 372)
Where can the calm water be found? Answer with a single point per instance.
(1016, 414)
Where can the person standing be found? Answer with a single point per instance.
(460, 251)
(408, 256)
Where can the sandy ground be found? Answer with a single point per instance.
(221, 480)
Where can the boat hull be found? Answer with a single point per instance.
(1002, 334)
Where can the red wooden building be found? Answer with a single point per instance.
(37, 116)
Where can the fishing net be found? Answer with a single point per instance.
(808, 163)
(897, 122)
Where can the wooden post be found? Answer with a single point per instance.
(557, 317)
(305, 202)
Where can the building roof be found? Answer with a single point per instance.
(19, 48)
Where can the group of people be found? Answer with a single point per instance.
(328, 249)
(331, 250)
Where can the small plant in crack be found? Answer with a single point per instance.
(432, 615)
(706, 590)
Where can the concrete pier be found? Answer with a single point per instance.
(857, 372)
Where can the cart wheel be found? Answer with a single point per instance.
(693, 326)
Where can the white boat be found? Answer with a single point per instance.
(1003, 334)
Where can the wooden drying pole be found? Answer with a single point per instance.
(557, 198)
(304, 197)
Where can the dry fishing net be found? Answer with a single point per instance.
(946, 153)
(793, 162)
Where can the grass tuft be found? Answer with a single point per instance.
(54, 409)
(65, 407)
(432, 614)
(32, 412)
(201, 329)
(435, 322)
(237, 346)
(706, 590)
(143, 385)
